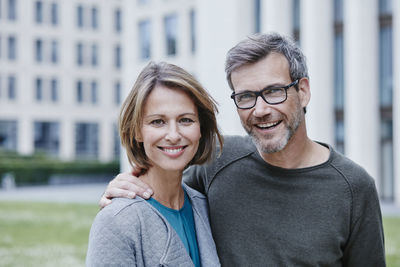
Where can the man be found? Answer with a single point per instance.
(279, 198)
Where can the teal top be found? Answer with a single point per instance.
(183, 223)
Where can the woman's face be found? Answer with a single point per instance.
(171, 129)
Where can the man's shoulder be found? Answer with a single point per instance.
(236, 146)
(352, 172)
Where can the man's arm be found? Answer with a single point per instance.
(196, 177)
(125, 185)
(365, 246)
(129, 186)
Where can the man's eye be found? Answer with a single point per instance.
(244, 97)
(273, 91)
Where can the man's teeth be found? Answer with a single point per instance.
(267, 125)
(173, 150)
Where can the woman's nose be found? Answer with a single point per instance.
(173, 134)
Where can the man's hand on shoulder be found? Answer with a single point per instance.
(125, 185)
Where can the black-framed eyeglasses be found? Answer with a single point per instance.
(271, 95)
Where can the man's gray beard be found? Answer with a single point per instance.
(272, 148)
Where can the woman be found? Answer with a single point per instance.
(167, 122)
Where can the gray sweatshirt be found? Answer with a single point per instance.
(131, 232)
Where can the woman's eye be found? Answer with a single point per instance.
(157, 122)
(186, 120)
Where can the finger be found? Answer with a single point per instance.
(130, 182)
(113, 192)
(104, 202)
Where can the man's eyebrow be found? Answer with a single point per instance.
(274, 85)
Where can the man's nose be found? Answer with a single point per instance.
(261, 108)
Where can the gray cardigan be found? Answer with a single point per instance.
(131, 232)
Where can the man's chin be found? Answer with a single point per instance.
(270, 146)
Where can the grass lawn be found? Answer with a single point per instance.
(44, 234)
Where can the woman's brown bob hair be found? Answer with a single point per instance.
(171, 76)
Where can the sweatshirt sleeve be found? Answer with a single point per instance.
(365, 245)
(196, 177)
(108, 246)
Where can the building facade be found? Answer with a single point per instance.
(66, 65)
(60, 77)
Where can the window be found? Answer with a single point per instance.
(386, 65)
(385, 101)
(54, 13)
(47, 137)
(79, 54)
(94, 92)
(8, 135)
(12, 9)
(39, 89)
(117, 56)
(145, 39)
(39, 50)
(117, 142)
(12, 48)
(79, 16)
(257, 16)
(296, 20)
(54, 90)
(117, 95)
(12, 87)
(38, 12)
(385, 7)
(338, 11)
(339, 75)
(54, 51)
(94, 55)
(94, 18)
(79, 91)
(171, 29)
(117, 20)
(193, 31)
(386, 160)
(86, 140)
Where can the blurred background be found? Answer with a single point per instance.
(66, 67)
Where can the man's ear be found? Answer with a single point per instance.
(304, 91)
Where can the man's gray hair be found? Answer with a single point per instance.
(256, 47)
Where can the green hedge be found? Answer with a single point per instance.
(37, 169)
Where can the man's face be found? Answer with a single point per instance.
(270, 126)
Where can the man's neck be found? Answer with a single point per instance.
(299, 152)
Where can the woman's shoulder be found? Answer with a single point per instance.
(121, 211)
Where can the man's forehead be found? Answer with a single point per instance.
(269, 71)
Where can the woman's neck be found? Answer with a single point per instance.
(167, 187)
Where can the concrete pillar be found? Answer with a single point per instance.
(217, 33)
(67, 140)
(106, 130)
(396, 99)
(361, 82)
(316, 38)
(277, 16)
(25, 136)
